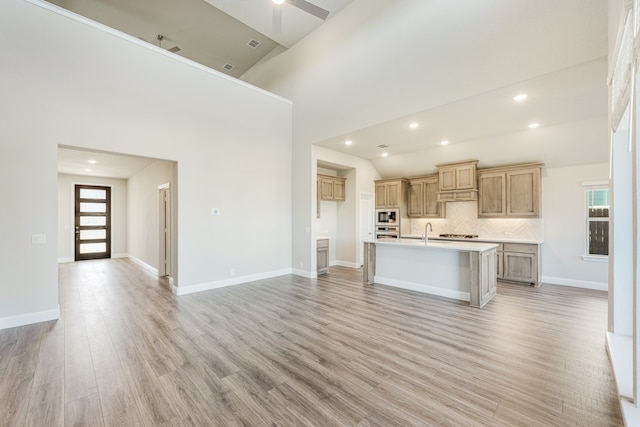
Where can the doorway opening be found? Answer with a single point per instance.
(92, 222)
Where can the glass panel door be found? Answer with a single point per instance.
(92, 222)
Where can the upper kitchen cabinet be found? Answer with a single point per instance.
(510, 191)
(423, 198)
(390, 193)
(457, 181)
(331, 187)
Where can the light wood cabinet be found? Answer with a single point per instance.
(511, 191)
(331, 188)
(499, 261)
(422, 198)
(391, 193)
(457, 181)
(322, 249)
(521, 263)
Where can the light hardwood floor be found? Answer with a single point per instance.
(296, 352)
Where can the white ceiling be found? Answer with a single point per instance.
(76, 162)
(553, 99)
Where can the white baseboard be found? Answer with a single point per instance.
(146, 266)
(575, 283)
(432, 290)
(345, 264)
(304, 273)
(184, 290)
(64, 260)
(120, 256)
(29, 318)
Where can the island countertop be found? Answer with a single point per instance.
(451, 245)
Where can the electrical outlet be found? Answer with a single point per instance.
(301, 264)
(232, 272)
(38, 239)
(215, 212)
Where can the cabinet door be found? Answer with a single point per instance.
(338, 190)
(393, 195)
(381, 196)
(326, 189)
(415, 200)
(465, 177)
(499, 264)
(447, 179)
(431, 207)
(523, 193)
(492, 194)
(520, 267)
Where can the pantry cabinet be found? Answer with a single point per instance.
(331, 188)
(422, 198)
(510, 192)
(322, 249)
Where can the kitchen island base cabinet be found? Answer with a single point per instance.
(458, 271)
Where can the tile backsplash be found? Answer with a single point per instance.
(462, 218)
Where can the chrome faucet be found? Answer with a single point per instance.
(427, 227)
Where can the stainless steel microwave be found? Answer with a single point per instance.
(387, 216)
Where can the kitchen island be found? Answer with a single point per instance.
(460, 270)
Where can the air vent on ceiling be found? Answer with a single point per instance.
(228, 67)
(383, 146)
(253, 43)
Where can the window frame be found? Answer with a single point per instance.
(587, 187)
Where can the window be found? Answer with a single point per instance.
(598, 221)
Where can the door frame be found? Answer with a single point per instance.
(165, 241)
(110, 221)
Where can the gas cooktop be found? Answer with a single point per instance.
(459, 236)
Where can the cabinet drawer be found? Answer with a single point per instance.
(322, 243)
(520, 247)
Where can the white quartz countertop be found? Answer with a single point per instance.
(452, 245)
(479, 239)
(321, 237)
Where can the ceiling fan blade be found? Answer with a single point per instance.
(311, 8)
(276, 23)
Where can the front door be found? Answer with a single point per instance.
(92, 222)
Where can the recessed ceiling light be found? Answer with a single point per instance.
(444, 142)
(348, 142)
(93, 162)
(385, 154)
(88, 170)
(414, 125)
(534, 125)
(278, 1)
(520, 97)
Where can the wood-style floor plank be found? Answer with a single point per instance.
(290, 351)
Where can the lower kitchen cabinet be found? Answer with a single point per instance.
(521, 263)
(322, 246)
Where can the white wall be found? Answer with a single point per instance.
(143, 213)
(29, 194)
(86, 87)
(66, 232)
(565, 232)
